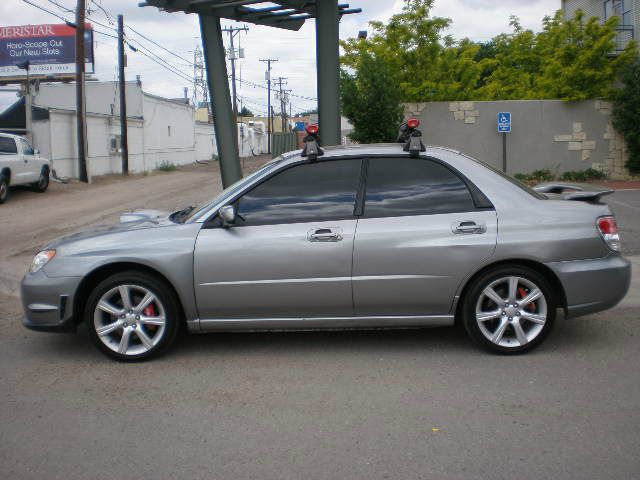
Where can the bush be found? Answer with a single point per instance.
(583, 176)
(537, 176)
(540, 176)
(166, 166)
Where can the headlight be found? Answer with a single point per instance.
(41, 259)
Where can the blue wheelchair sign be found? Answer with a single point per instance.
(504, 122)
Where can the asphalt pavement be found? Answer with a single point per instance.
(626, 205)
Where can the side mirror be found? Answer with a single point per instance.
(227, 215)
(36, 151)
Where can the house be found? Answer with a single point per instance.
(627, 10)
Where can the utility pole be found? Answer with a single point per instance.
(269, 61)
(281, 82)
(81, 125)
(233, 31)
(122, 60)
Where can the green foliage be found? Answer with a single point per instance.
(583, 176)
(569, 59)
(545, 175)
(166, 166)
(537, 176)
(245, 112)
(371, 101)
(626, 115)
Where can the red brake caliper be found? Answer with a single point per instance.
(150, 311)
(523, 293)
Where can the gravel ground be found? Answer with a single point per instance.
(335, 405)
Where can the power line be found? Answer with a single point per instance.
(157, 44)
(49, 12)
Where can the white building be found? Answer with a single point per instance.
(159, 130)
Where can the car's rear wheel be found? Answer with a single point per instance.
(132, 316)
(4, 189)
(43, 181)
(509, 309)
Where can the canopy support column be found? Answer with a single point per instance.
(328, 65)
(218, 81)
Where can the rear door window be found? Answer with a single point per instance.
(413, 186)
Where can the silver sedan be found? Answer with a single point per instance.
(349, 237)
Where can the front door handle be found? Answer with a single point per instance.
(324, 235)
(468, 226)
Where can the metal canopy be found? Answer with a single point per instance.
(287, 14)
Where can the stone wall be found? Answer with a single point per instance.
(546, 134)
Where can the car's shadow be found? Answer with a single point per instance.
(568, 335)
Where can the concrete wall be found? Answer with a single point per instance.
(102, 97)
(169, 132)
(548, 134)
(206, 145)
(56, 139)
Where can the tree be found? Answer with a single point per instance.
(626, 115)
(370, 99)
(570, 59)
(245, 112)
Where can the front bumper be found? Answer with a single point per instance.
(48, 302)
(593, 285)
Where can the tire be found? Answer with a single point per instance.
(142, 331)
(43, 182)
(4, 189)
(502, 324)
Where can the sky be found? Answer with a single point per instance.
(179, 33)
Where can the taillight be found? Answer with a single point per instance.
(608, 228)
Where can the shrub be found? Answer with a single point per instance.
(540, 176)
(166, 166)
(583, 176)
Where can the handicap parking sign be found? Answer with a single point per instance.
(504, 122)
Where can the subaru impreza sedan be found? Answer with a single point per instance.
(360, 237)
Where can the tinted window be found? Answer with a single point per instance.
(27, 149)
(411, 186)
(304, 193)
(7, 145)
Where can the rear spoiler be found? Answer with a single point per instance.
(585, 192)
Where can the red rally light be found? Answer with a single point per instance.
(312, 129)
(413, 123)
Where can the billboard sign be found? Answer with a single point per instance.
(50, 50)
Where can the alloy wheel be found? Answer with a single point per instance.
(129, 319)
(511, 311)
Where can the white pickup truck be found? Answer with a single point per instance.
(20, 164)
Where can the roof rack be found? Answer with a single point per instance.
(411, 137)
(312, 148)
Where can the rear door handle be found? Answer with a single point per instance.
(468, 226)
(324, 235)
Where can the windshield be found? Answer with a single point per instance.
(229, 191)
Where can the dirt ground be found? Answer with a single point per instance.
(30, 219)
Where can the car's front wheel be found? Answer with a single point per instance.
(43, 181)
(132, 316)
(509, 309)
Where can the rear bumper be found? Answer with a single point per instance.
(593, 285)
(48, 302)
